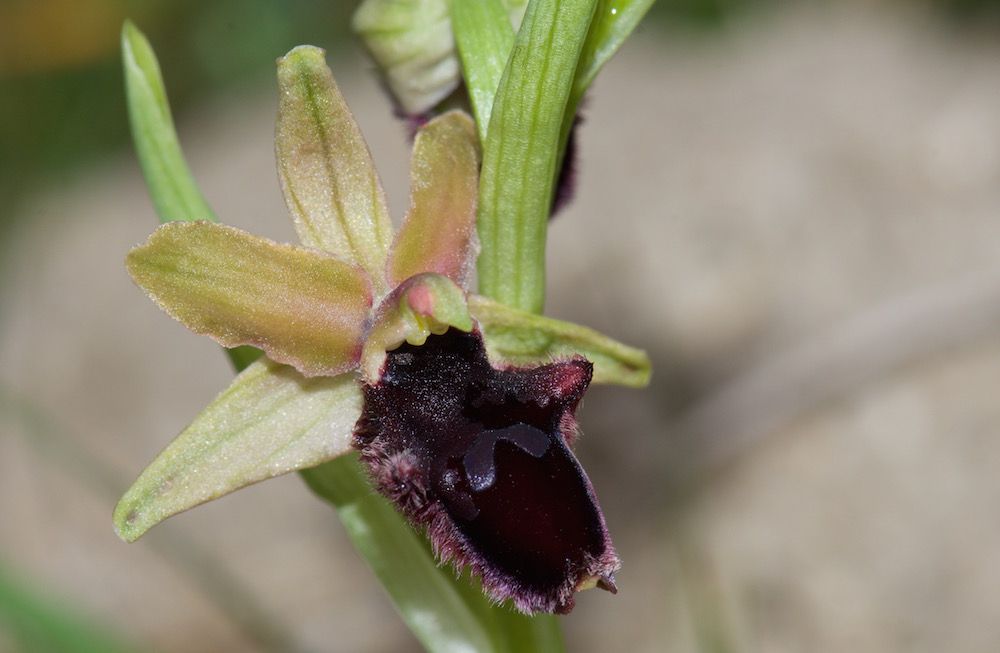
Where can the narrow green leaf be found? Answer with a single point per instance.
(522, 150)
(484, 37)
(270, 421)
(302, 306)
(329, 180)
(174, 193)
(36, 624)
(522, 338)
(613, 22)
(439, 232)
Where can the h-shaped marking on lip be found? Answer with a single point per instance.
(479, 463)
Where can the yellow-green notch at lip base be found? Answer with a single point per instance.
(301, 306)
(423, 305)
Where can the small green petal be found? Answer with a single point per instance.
(439, 232)
(301, 306)
(422, 305)
(329, 180)
(521, 338)
(270, 421)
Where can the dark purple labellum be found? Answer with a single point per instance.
(480, 456)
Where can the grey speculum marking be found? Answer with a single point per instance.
(480, 465)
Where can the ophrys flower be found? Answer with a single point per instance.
(338, 319)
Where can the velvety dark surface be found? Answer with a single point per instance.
(443, 429)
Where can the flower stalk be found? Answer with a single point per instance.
(328, 316)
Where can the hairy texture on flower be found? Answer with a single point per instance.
(480, 457)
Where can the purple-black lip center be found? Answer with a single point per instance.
(490, 448)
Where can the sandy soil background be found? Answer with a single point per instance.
(800, 222)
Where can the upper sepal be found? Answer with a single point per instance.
(329, 180)
(302, 307)
(521, 338)
(439, 232)
(270, 421)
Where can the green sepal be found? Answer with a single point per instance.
(522, 338)
(327, 174)
(302, 306)
(422, 305)
(270, 421)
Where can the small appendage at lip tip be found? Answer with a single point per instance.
(607, 583)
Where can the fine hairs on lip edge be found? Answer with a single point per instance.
(481, 458)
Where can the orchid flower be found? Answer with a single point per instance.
(462, 408)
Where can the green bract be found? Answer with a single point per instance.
(325, 312)
(411, 40)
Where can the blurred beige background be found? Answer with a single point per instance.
(799, 219)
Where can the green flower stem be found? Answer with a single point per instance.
(521, 151)
(463, 619)
(614, 21)
(389, 544)
(34, 623)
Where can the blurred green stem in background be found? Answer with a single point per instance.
(210, 575)
(36, 624)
